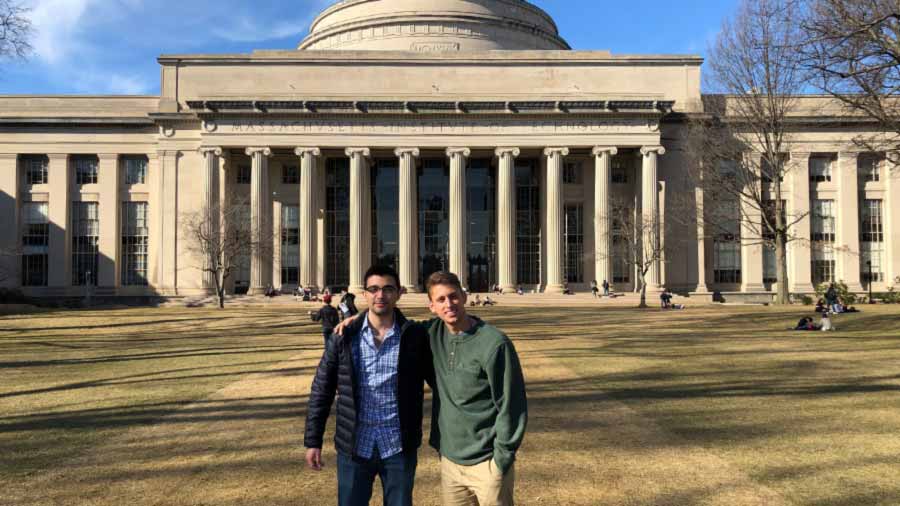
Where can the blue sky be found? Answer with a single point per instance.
(110, 46)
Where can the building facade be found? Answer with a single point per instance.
(450, 134)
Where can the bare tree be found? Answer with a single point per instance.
(636, 242)
(15, 30)
(852, 49)
(738, 151)
(220, 237)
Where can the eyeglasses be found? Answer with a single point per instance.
(386, 290)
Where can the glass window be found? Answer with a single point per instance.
(727, 261)
(822, 263)
(619, 169)
(820, 168)
(574, 243)
(85, 169)
(481, 182)
(35, 242)
(528, 222)
(135, 169)
(770, 267)
(85, 243)
(290, 245)
(385, 186)
(243, 174)
(434, 217)
(337, 223)
(871, 228)
(135, 243)
(572, 172)
(242, 262)
(34, 168)
(767, 172)
(290, 174)
(823, 228)
(621, 250)
(868, 166)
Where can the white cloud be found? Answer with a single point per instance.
(56, 24)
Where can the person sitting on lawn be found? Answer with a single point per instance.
(488, 301)
(826, 324)
(820, 306)
(476, 301)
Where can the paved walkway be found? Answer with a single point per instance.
(242, 446)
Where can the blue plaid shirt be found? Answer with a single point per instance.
(376, 375)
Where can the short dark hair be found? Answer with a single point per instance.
(442, 278)
(383, 271)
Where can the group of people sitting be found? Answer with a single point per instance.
(807, 323)
(478, 301)
(497, 289)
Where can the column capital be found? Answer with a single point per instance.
(9, 156)
(659, 150)
(501, 152)
(605, 150)
(800, 155)
(465, 152)
(107, 156)
(364, 152)
(303, 151)
(267, 152)
(206, 150)
(556, 151)
(401, 152)
(848, 155)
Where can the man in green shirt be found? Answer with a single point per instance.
(480, 410)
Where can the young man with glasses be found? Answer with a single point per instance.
(377, 368)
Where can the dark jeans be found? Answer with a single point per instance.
(326, 334)
(356, 476)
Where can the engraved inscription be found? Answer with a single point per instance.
(436, 127)
(434, 47)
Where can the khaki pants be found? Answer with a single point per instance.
(478, 485)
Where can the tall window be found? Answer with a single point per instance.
(621, 250)
(434, 217)
(385, 212)
(868, 166)
(574, 243)
(135, 243)
(481, 193)
(34, 168)
(243, 215)
(727, 244)
(290, 245)
(823, 228)
(35, 242)
(243, 174)
(871, 239)
(85, 169)
(85, 243)
(337, 223)
(528, 222)
(135, 169)
(290, 174)
(619, 169)
(820, 169)
(572, 172)
(770, 265)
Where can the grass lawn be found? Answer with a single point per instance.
(710, 406)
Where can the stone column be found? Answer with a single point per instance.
(260, 220)
(308, 214)
(555, 216)
(108, 181)
(409, 223)
(847, 240)
(702, 288)
(800, 268)
(650, 211)
(458, 213)
(891, 218)
(751, 237)
(359, 212)
(506, 218)
(602, 228)
(10, 182)
(211, 204)
(59, 182)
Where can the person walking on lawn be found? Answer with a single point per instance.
(377, 368)
(328, 315)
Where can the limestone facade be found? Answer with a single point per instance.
(449, 134)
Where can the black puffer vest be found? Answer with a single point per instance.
(335, 376)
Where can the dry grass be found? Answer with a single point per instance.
(714, 406)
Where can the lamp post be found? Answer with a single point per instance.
(869, 266)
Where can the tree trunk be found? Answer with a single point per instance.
(783, 296)
(643, 303)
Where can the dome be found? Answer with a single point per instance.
(433, 26)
